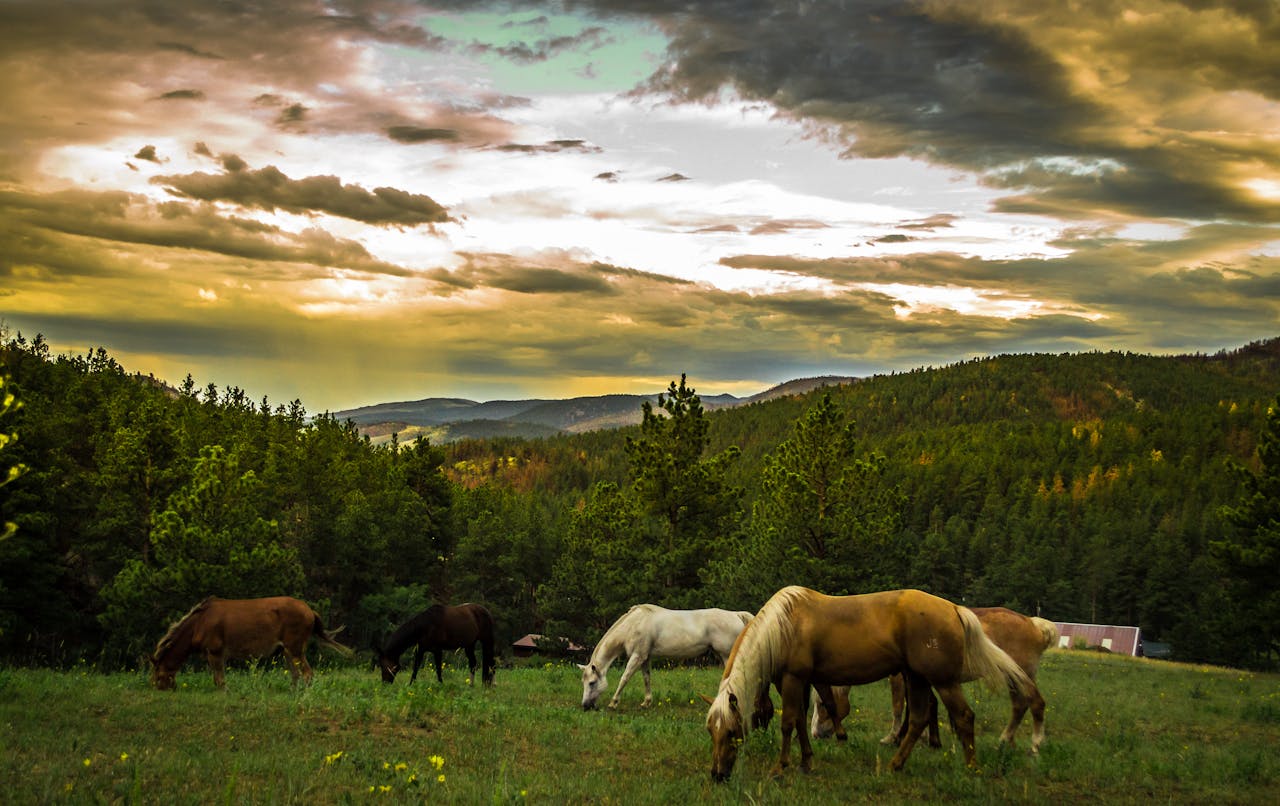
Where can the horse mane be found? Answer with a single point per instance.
(758, 652)
(407, 633)
(178, 626)
(1047, 629)
(610, 637)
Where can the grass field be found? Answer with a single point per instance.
(1119, 730)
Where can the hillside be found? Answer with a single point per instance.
(450, 419)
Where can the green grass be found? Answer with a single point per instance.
(1119, 730)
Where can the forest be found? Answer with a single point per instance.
(1096, 487)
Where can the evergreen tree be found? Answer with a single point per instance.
(210, 539)
(685, 494)
(1251, 551)
(823, 519)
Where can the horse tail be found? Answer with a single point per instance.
(984, 660)
(326, 637)
(487, 644)
(1047, 629)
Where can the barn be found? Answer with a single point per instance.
(1111, 637)
(529, 645)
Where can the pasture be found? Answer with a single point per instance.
(1118, 730)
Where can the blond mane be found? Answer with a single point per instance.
(758, 653)
(177, 626)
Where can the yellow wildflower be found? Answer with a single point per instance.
(87, 762)
(441, 779)
(401, 767)
(124, 756)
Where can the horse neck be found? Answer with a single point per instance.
(177, 644)
(613, 643)
(760, 650)
(406, 634)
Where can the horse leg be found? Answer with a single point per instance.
(437, 654)
(218, 664)
(935, 737)
(648, 689)
(794, 707)
(418, 652)
(827, 699)
(1035, 702)
(471, 664)
(961, 719)
(918, 696)
(634, 661)
(898, 694)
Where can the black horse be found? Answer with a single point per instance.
(438, 628)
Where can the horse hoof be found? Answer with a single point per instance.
(842, 737)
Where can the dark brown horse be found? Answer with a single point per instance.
(241, 628)
(1024, 638)
(438, 628)
(801, 638)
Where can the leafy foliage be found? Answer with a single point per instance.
(1092, 487)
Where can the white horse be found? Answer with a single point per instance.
(646, 631)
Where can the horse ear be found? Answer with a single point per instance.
(707, 699)
(582, 666)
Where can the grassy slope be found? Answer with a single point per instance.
(1119, 729)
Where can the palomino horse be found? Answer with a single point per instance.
(241, 628)
(646, 631)
(438, 628)
(801, 638)
(1024, 638)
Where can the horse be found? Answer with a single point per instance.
(438, 628)
(802, 638)
(647, 630)
(1024, 638)
(241, 628)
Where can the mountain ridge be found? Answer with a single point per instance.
(447, 419)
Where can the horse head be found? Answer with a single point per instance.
(162, 674)
(725, 724)
(594, 683)
(388, 666)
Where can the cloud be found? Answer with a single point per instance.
(147, 153)
(420, 134)
(552, 147)
(269, 189)
(545, 49)
(1158, 108)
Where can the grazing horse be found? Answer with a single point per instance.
(646, 631)
(802, 638)
(241, 628)
(1024, 638)
(438, 628)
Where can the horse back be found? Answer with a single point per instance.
(853, 640)
(1015, 633)
(254, 627)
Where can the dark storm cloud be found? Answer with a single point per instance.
(183, 95)
(147, 153)
(420, 134)
(36, 222)
(269, 189)
(544, 49)
(551, 147)
(1079, 108)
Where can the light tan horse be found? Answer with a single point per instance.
(1024, 638)
(802, 638)
(241, 628)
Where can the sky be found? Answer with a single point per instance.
(349, 203)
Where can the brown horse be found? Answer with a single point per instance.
(1024, 638)
(801, 638)
(438, 628)
(241, 628)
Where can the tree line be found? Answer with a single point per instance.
(1101, 487)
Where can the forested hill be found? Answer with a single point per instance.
(1100, 487)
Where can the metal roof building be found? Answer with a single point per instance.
(1111, 637)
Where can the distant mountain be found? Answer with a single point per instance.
(449, 419)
